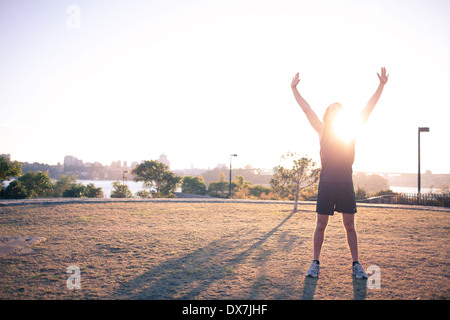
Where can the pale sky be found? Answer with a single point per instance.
(199, 80)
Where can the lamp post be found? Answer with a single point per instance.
(231, 155)
(421, 129)
(123, 177)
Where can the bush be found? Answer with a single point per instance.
(93, 192)
(193, 185)
(120, 191)
(78, 190)
(360, 194)
(218, 189)
(383, 193)
(143, 194)
(240, 187)
(309, 193)
(63, 184)
(259, 190)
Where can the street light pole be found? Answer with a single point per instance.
(421, 129)
(231, 155)
(123, 177)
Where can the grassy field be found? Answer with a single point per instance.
(219, 251)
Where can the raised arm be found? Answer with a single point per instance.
(310, 114)
(374, 99)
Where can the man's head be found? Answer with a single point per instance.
(331, 113)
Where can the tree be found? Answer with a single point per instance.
(156, 177)
(300, 174)
(120, 191)
(30, 185)
(9, 169)
(15, 190)
(240, 187)
(360, 194)
(193, 185)
(222, 177)
(64, 182)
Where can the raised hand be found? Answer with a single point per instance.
(295, 81)
(383, 78)
(374, 99)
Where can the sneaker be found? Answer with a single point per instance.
(314, 270)
(358, 271)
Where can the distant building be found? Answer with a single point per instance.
(116, 164)
(163, 159)
(71, 161)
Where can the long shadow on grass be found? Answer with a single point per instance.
(309, 288)
(187, 277)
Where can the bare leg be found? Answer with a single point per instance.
(352, 238)
(319, 234)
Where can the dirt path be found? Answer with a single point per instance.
(211, 250)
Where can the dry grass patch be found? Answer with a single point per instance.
(219, 251)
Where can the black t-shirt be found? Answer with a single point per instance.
(337, 157)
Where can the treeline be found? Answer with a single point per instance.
(240, 188)
(158, 181)
(251, 174)
(296, 180)
(39, 185)
(369, 184)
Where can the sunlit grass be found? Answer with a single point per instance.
(219, 251)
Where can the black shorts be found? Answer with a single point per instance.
(336, 197)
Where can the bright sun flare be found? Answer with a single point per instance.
(346, 125)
